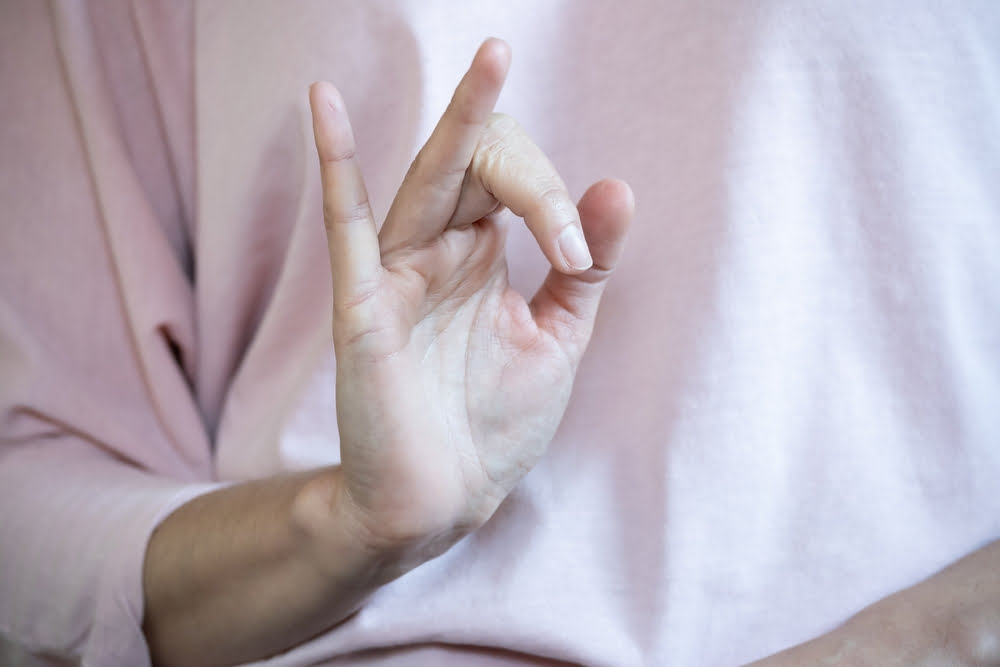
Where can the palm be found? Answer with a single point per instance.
(450, 385)
(460, 360)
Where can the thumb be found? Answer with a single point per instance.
(565, 305)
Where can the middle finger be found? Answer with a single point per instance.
(429, 194)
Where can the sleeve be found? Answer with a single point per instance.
(100, 433)
(74, 527)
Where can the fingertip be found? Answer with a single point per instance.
(625, 193)
(332, 130)
(627, 196)
(325, 94)
(496, 47)
(494, 57)
(610, 193)
(606, 211)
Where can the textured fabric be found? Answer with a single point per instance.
(788, 411)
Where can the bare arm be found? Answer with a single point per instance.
(450, 385)
(247, 571)
(951, 619)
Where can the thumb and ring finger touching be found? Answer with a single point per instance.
(474, 162)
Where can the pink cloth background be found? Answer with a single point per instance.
(789, 409)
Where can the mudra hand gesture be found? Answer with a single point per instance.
(450, 385)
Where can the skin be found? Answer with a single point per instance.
(450, 386)
(952, 619)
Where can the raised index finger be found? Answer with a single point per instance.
(350, 227)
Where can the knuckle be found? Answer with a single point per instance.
(363, 328)
(490, 159)
(353, 313)
(338, 214)
(499, 131)
(338, 154)
(502, 124)
(504, 146)
(553, 195)
(496, 150)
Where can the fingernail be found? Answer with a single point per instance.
(574, 248)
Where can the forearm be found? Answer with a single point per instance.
(251, 570)
(952, 618)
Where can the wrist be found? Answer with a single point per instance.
(349, 547)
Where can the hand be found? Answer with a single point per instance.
(450, 385)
